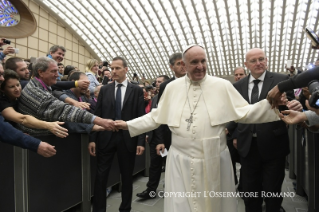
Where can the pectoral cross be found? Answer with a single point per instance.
(190, 121)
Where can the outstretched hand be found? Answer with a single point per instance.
(108, 124)
(46, 150)
(274, 97)
(119, 124)
(82, 105)
(292, 117)
(56, 129)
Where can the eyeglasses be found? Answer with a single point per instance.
(260, 60)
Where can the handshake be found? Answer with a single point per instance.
(111, 125)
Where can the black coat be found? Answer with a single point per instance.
(133, 107)
(163, 132)
(272, 137)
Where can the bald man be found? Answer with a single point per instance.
(262, 147)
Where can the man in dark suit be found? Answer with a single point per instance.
(175, 65)
(262, 147)
(239, 73)
(153, 138)
(119, 100)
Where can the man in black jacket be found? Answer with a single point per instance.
(175, 65)
(153, 138)
(119, 100)
(262, 147)
(239, 73)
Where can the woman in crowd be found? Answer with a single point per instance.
(10, 93)
(91, 69)
(67, 70)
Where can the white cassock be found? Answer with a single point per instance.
(198, 166)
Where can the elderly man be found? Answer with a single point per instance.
(198, 163)
(36, 100)
(18, 65)
(9, 134)
(263, 147)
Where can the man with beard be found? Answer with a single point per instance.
(18, 65)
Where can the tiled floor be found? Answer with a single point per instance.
(295, 204)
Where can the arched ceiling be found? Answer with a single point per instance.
(147, 32)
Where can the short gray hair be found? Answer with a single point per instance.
(174, 57)
(42, 63)
(56, 48)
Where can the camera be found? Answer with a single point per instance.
(314, 90)
(105, 63)
(6, 41)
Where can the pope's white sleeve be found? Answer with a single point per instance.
(259, 112)
(142, 124)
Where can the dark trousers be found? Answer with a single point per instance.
(262, 175)
(126, 160)
(234, 157)
(155, 170)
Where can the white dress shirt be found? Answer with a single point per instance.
(251, 84)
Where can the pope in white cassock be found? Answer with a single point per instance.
(196, 108)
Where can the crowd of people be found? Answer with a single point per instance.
(206, 133)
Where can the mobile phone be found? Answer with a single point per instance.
(312, 36)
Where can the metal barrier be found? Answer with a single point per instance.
(304, 164)
(30, 182)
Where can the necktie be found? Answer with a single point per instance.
(254, 99)
(254, 92)
(118, 100)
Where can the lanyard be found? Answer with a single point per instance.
(42, 83)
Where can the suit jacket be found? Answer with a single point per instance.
(154, 105)
(92, 105)
(105, 80)
(164, 134)
(133, 107)
(155, 136)
(272, 138)
(162, 88)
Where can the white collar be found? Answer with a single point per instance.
(192, 82)
(124, 83)
(261, 78)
